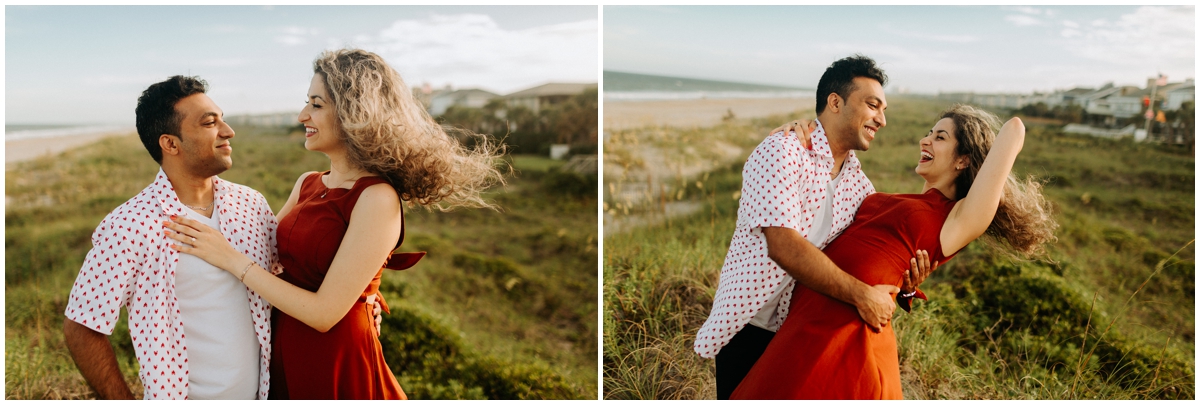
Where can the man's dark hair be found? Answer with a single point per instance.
(839, 78)
(156, 113)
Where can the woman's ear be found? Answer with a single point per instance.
(961, 162)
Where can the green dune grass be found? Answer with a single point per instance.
(1108, 313)
(457, 329)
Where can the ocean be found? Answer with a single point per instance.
(701, 95)
(622, 86)
(16, 132)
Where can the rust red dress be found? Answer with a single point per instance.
(347, 361)
(824, 350)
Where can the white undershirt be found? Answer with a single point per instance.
(821, 227)
(222, 348)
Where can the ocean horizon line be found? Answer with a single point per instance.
(701, 95)
(17, 132)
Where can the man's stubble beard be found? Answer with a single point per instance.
(212, 166)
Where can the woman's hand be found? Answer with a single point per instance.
(376, 311)
(919, 270)
(206, 243)
(802, 128)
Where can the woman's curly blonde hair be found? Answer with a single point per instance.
(1023, 220)
(388, 132)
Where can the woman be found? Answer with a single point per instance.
(338, 228)
(824, 350)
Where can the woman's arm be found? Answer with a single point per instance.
(972, 215)
(375, 225)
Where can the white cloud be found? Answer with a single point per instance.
(1070, 33)
(291, 40)
(472, 50)
(1070, 24)
(1035, 11)
(1154, 37)
(1022, 20)
(1028, 10)
(292, 36)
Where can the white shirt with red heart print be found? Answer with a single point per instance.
(783, 185)
(132, 265)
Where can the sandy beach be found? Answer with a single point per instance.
(664, 165)
(28, 149)
(695, 113)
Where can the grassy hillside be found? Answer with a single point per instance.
(1109, 313)
(504, 305)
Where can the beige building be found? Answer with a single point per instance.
(546, 95)
(473, 98)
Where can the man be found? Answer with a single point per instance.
(197, 331)
(795, 201)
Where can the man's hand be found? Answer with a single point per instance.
(376, 310)
(96, 361)
(876, 305)
(810, 267)
(919, 270)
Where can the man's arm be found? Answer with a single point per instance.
(808, 265)
(94, 357)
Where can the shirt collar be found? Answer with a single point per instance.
(820, 143)
(162, 191)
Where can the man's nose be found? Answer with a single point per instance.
(226, 130)
(882, 119)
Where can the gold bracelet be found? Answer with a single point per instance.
(245, 270)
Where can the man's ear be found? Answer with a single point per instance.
(834, 102)
(170, 144)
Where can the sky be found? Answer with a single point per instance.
(88, 64)
(923, 49)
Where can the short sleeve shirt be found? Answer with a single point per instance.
(132, 264)
(783, 185)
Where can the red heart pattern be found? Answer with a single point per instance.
(139, 272)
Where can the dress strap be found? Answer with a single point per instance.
(404, 260)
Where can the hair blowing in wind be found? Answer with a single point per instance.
(388, 132)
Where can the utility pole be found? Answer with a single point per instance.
(1150, 107)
